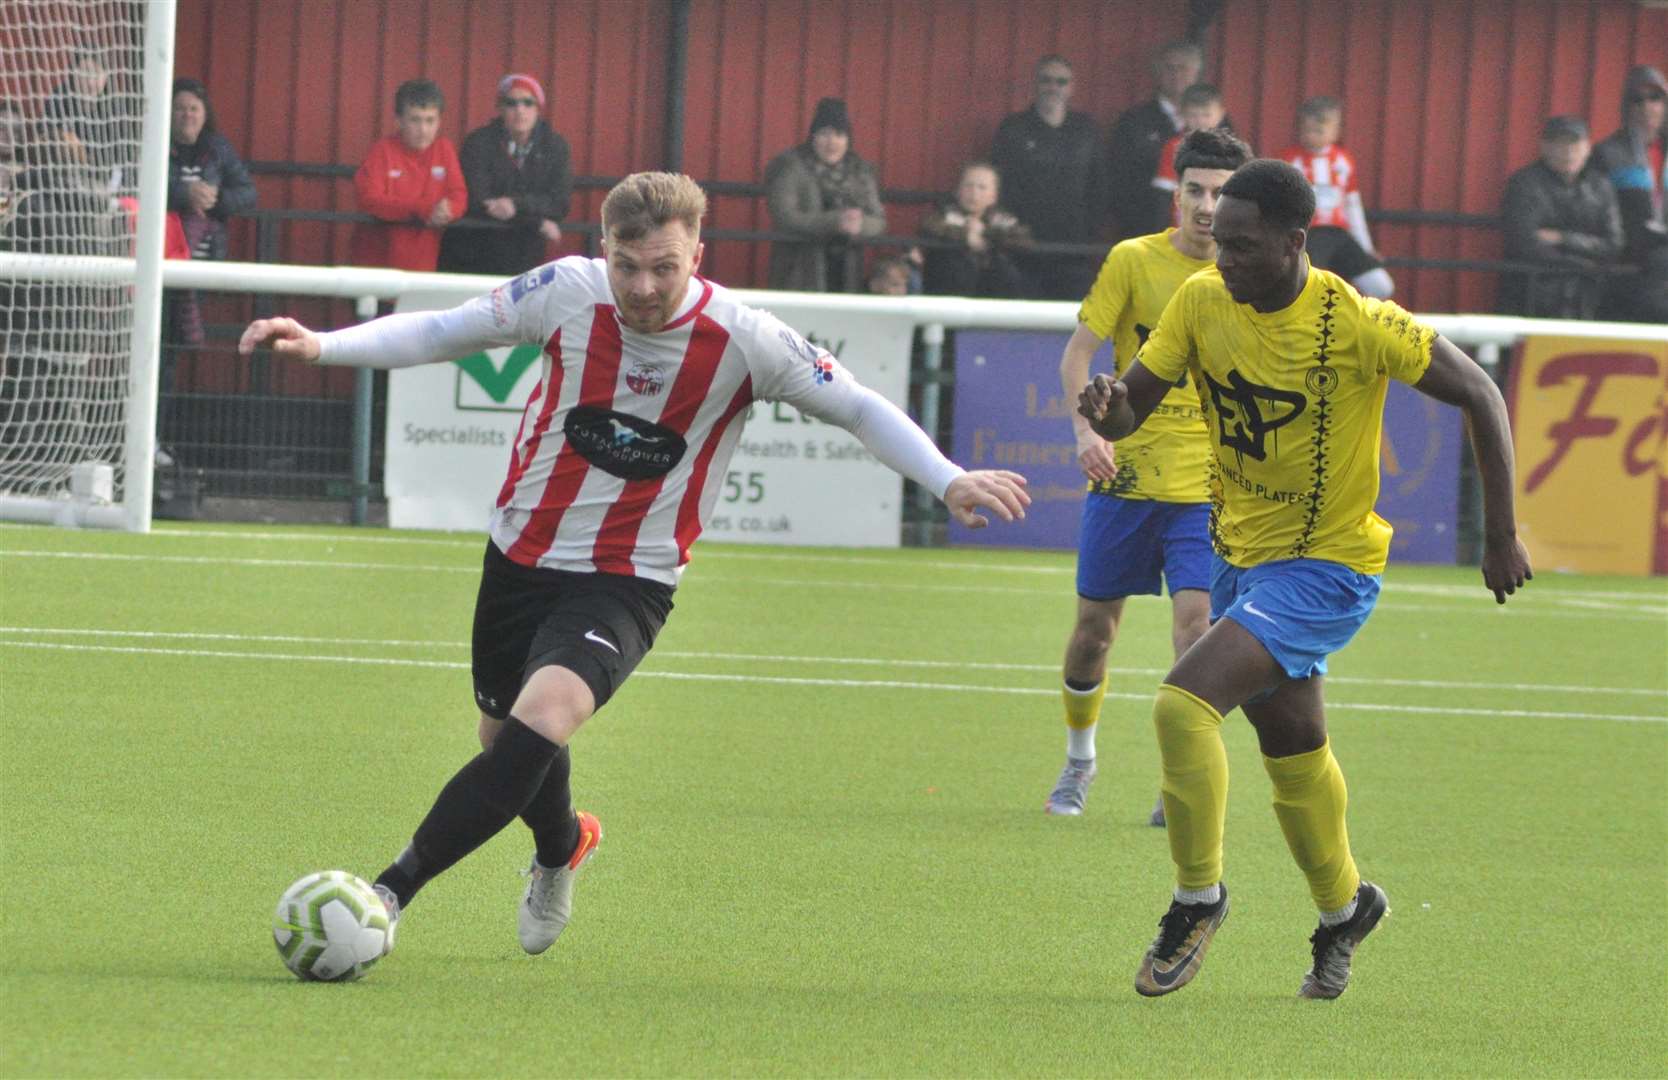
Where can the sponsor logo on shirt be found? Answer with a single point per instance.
(645, 379)
(396, 173)
(822, 369)
(822, 364)
(532, 279)
(437, 171)
(1247, 413)
(621, 444)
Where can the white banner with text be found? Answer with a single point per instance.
(793, 480)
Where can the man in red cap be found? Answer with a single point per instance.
(520, 178)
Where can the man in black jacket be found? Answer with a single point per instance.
(1139, 135)
(1053, 179)
(520, 178)
(1635, 159)
(1563, 216)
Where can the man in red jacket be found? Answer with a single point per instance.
(413, 181)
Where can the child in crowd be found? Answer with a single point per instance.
(1338, 236)
(412, 181)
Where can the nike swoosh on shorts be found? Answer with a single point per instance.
(1249, 610)
(591, 635)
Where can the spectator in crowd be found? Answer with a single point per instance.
(84, 116)
(986, 238)
(14, 126)
(1562, 216)
(520, 177)
(1051, 162)
(822, 194)
(412, 181)
(890, 276)
(1138, 138)
(206, 182)
(1635, 160)
(1202, 109)
(1338, 237)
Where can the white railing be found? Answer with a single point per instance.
(946, 311)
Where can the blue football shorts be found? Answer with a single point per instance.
(1126, 545)
(1302, 610)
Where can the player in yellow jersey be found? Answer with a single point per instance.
(1144, 518)
(1292, 365)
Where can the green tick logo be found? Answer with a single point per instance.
(486, 384)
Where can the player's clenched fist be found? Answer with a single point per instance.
(285, 336)
(1101, 402)
(997, 490)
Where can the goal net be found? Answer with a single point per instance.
(84, 104)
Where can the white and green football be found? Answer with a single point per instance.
(330, 927)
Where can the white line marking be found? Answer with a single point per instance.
(709, 552)
(841, 661)
(1530, 607)
(783, 680)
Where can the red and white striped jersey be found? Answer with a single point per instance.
(1331, 172)
(623, 444)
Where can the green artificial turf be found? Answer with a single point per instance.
(824, 850)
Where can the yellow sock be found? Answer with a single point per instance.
(1309, 800)
(1195, 784)
(1082, 714)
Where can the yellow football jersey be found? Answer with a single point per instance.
(1168, 459)
(1294, 407)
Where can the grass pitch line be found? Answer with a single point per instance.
(792, 680)
(1531, 606)
(778, 658)
(722, 552)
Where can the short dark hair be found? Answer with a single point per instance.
(1318, 106)
(1281, 193)
(418, 94)
(1192, 48)
(185, 84)
(1212, 148)
(1201, 93)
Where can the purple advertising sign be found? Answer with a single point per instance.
(1010, 413)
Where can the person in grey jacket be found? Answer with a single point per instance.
(1562, 216)
(1635, 159)
(822, 194)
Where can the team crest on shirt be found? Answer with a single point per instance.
(645, 379)
(623, 445)
(437, 171)
(1321, 380)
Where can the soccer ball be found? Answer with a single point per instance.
(330, 926)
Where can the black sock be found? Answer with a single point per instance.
(480, 800)
(550, 815)
(1082, 687)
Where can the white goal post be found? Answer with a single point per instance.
(86, 92)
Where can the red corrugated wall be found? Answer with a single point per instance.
(1443, 99)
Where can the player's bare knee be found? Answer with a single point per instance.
(488, 730)
(554, 702)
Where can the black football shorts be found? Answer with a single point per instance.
(599, 626)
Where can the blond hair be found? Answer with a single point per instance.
(647, 200)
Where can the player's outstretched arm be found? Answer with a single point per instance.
(1095, 455)
(997, 490)
(1116, 407)
(1454, 378)
(285, 336)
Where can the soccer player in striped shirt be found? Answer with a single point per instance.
(648, 371)
(1292, 366)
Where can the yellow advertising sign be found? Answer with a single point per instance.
(1590, 423)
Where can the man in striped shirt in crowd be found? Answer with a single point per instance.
(648, 371)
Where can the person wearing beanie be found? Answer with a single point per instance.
(1635, 160)
(520, 178)
(822, 194)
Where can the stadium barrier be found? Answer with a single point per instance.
(1565, 415)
